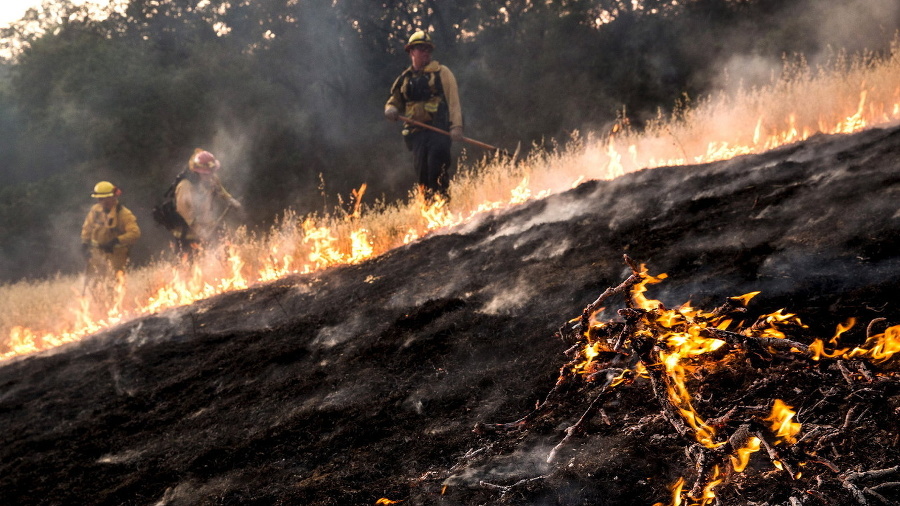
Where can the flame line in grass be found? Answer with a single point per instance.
(310, 244)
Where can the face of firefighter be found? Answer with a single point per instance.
(207, 178)
(420, 55)
(108, 203)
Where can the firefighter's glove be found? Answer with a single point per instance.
(86, 250)
(107, 247)
(391, 113)
(456, 133)
(233, 202)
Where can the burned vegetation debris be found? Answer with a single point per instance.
(737, 373)
(364, 382)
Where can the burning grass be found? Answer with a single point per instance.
(850, 94)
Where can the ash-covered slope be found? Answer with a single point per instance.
(366, 381)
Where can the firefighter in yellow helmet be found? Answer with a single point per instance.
(108, 232)
(202, 201)
(427, 92)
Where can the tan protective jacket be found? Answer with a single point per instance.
(101, 227)
(419, 110)
(195, 202)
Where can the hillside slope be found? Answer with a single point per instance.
(365, 381)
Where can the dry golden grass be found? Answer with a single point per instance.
(848, 94)
(36, 303)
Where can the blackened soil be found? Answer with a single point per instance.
(365, 382)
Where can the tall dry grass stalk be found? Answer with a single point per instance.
(847, 94)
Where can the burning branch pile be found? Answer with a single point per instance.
(741, 442)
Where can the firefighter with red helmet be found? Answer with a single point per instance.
(427, 92)
(202, 201)
(108, 232)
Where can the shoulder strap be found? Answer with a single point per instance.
(170, 191)
(434, 80)
(436, 86)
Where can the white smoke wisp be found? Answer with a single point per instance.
(329, 337)
(548, 250)
(529, 460)
(556, 211)
(742, 72)
(232, 146)
(507, 299)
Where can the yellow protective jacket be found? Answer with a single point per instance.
(101, 227)
(436, 103)
(195, 201)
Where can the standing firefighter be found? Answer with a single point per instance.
(109, 230)
(201, 201)
(426, 92)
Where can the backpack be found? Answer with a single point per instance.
(165, 213)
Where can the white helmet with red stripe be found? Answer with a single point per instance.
(203, 162)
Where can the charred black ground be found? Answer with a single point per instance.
(365, 382)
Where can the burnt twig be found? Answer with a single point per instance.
(577, 428)
(869, 329)
(849, 481)
(707, 462)
(565, 374)
(877, 473)
(774, 456)
(505, 489)
(623, 287)
(745, 341)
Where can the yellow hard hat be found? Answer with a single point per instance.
(105, 189)
(419, 38)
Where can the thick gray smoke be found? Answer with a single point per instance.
(821, 28)
(855, 25)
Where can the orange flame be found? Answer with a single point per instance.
(239, 264)
(878, 348)
(639, 289)
(680, 397)
(708, 494)
(739, 462)
(676, 492)
(841, 328)
(745, 299)
(782, 424)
